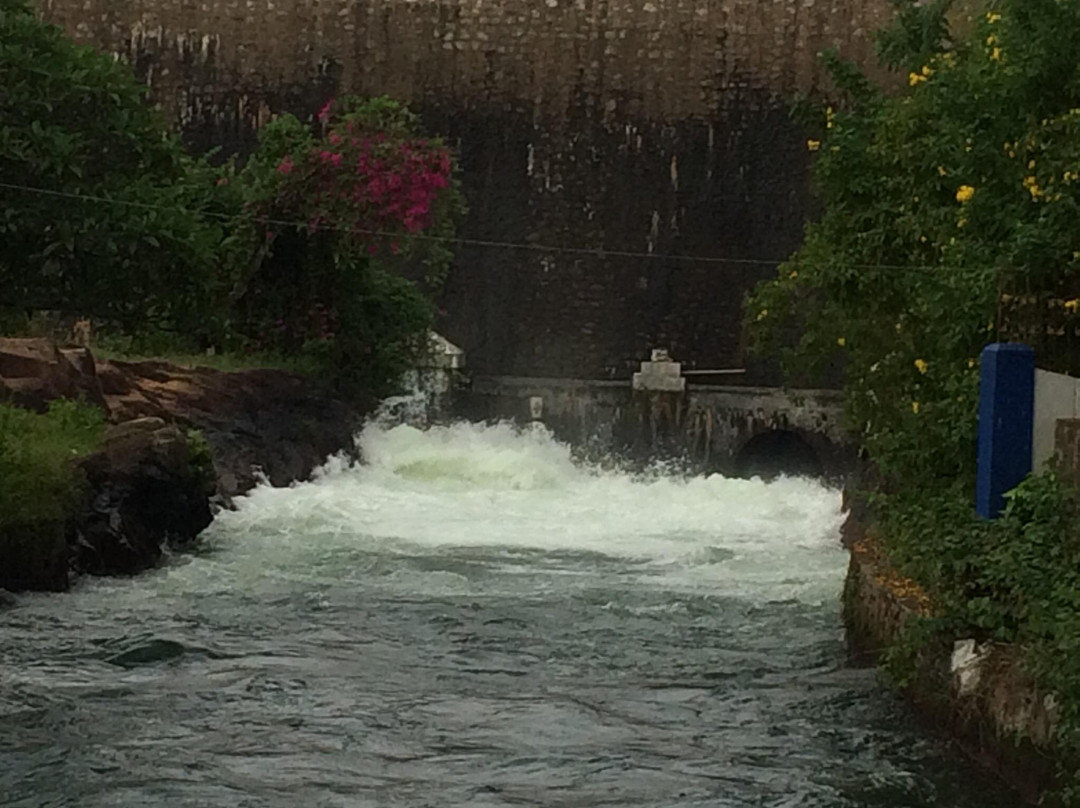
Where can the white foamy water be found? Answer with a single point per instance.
(468, 487)
(469, 619)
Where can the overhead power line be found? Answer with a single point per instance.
(592, 252)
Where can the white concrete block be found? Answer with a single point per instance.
(967, 660)
(659, 382)
(1056, 396)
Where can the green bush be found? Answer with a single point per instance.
(941, 202)
(947, 197)
(39, 480)
(304, 253)
(102, 212)
(1015, 579)
(332, 215)
(201, 459)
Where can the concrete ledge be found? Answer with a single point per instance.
(980, 695)
(485, 384)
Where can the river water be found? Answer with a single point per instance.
(470, 619)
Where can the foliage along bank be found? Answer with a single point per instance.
(301, 250)
(945, 204)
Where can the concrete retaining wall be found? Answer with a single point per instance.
(978, 694)
(710, 428)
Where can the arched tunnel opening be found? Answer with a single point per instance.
(779, 452)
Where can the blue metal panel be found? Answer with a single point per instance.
(1006, 421)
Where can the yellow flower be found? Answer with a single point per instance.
(962, 223)
(1031, 165)
(941, 171)
(927, 72)
(841, 341)
(1072, 305)
(992, 17)
(964, 193)
(992, 39)
(915, 78)
(813, 145)
(971, 363)
(995, 55)
(921, 365)
(915, 407)
(762, 314)
(794, 274)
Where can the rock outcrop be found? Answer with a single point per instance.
(267, 422)
(34, 372)
(149, 488)
(34, 556)
(178, 438)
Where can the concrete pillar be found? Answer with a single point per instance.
(1006, 415)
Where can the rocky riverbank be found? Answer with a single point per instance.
(977, 693)
(180, 441)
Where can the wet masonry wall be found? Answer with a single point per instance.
(653, 127)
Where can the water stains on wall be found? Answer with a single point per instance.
(585, 127)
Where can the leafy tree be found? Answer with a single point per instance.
(950, 210)
(331, 215)
(304, 252)
(100, 209)
(943, 202)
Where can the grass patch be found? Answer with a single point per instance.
(128, 349)
(39, 481)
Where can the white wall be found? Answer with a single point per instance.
(1056, 396)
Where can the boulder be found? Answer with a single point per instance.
(33, 556)
(34, 372)
(258, 423)
(148, 490)
(151, 484)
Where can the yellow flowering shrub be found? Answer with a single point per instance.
(950, 201)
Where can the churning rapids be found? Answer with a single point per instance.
(470, 619)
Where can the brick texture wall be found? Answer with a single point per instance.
(657, 127)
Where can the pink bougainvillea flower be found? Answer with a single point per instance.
(324, 113)
(285, 166)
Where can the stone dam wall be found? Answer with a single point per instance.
(653, 127)
(735, 431)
